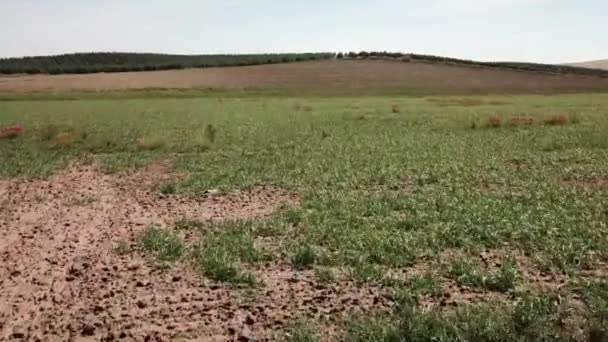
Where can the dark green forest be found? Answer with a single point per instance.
(85, 63)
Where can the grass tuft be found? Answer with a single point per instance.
(189, 224)
(304, 257)
(502, 280)
(165, 246)
(151, 143)
(301, 331)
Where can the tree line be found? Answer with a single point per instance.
(84, 63)
(535, 67)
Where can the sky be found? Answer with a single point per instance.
(546, 31)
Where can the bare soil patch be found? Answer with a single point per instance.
(63, 279)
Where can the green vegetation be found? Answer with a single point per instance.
(85, 63)
(300, 331)
(379, 190)
(501, 280)
(162, 243)
(220, 254)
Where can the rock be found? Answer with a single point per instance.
(141, 304)
(213, 192)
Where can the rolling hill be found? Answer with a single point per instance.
(599, 64)
(339, 76)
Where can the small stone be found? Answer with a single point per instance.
(141, 304)
(212, 192)
(176, 278)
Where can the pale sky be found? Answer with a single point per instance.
(549, 31)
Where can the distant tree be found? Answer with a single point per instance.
(340, 55)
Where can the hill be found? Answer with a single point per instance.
(339, 76)
(599, 64)
(85, 63)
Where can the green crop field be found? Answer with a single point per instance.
(472, 224)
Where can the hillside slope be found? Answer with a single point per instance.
(599, 64)
(337, 76)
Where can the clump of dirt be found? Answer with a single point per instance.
(63, 279)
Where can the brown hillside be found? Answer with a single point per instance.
(331, 75)
(600, 64)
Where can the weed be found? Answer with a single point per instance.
(185, 223)
(84, 200)
(366, 272)
(167, 188)
(218, 256)
(574, 118)
(217, 264)
(324, 275)
(371, 329)
(501, 280)
(162, 243)
(304, 257)
(123, 248)
(210, 133)
(531, 317)
(424, 284)
(301, 331)
(48, 132)
(151, 143)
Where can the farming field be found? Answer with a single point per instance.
(369, 218)
(345, 77)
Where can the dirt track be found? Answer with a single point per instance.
(62, 279)
(366, 75)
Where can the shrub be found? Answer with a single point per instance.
(395, 108)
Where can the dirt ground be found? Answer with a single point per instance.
(63, 280)
(339, 75)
